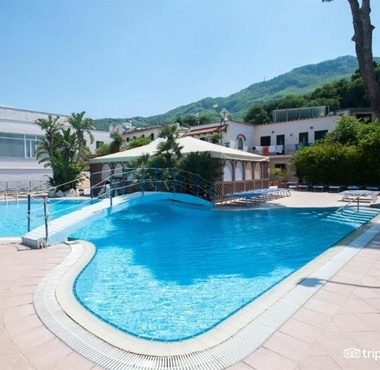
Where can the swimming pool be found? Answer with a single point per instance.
(13, 213)
(166, 273)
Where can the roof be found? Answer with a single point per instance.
(189, 145)
(206, 130)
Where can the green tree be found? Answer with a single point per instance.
(345, 132)
(257, 114)
(330, 163)
(67, 173)
(51, 126)
(67, 144)
(140, 141)
(199, 168)
(103, 149)
(81, 126)
(116, 143)
(348, 155)
(363, 30)
(368, 146)
(58, 150)
(169, 146)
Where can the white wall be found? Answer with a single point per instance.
(292, 129)
(137, 133)
(103, 136)
(20, 121)
(243, 130)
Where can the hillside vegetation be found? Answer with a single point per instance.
(298, 82)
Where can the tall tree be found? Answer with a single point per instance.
(81, 126)
(363, 45)
(170, 146)
(51, 126)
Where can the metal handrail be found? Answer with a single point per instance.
(151, 177)
(351, 201)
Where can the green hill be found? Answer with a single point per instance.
(299, 81)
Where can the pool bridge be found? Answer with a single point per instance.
(58, 230)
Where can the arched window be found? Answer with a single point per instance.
(106, 171)
(240, 143)
(227, 171)
(257, 171)
(239, 171)
(118, 171)
(248, 171)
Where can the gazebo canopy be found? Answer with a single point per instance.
(189, 145)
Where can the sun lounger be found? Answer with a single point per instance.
(373, 188)
(354, 187)
(320, 188)
(257, 195)
(335, 188)
(292, 184)
(360, 195)
(303, 187)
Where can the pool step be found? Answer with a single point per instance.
(351, 215)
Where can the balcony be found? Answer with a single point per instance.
(277, 149)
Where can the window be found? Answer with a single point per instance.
(240, 143)
(280, 139)
(239, 171)
(17, 146)
(227, 171)
(118, 171)
(99, 144)
(303, 138)
(248, 171)
(265, 140)
(106, 172)
(318, 135)
(257, 173)
(282, 166)
(364, 117)
(152, 136)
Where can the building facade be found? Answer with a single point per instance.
(230, 133)
(291, 129)
(18, 137)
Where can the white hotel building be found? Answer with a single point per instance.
(18, 136)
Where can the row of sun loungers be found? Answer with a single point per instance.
(16, 191)
(256, 196)
(329, 188)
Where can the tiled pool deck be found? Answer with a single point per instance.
(337, 328)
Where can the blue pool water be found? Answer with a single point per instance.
(13, 214)
(167, 273)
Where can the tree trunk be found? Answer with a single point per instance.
(363, 44)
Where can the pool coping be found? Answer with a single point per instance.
(229, 342)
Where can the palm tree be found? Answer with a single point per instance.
(81, 126)
(116, 143)
(170, 146)
(46, 145)
(68, 144)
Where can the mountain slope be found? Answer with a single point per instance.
(299, 81)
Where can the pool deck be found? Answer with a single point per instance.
(337, 328)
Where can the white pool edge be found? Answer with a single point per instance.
(228, 343)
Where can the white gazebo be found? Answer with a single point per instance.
(242, 171)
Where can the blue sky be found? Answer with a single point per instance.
(125, 58)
